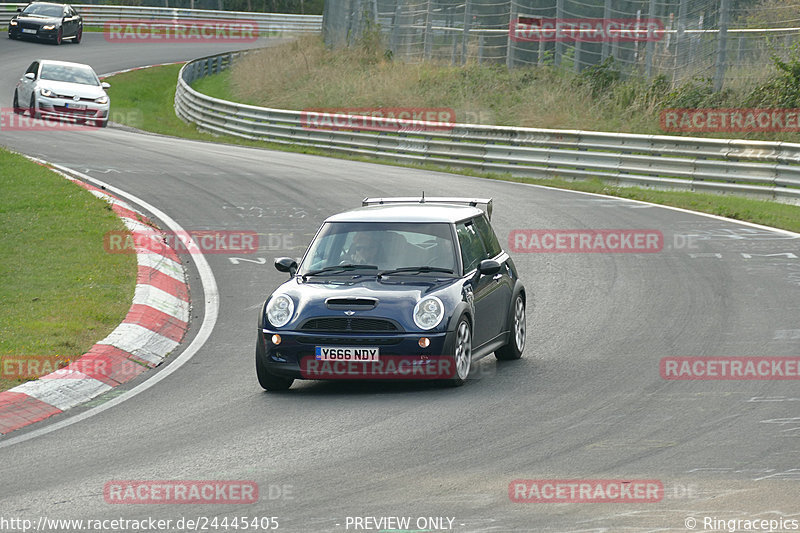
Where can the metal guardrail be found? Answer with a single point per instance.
(764, 169)
(98, 15)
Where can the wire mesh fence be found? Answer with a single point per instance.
(728, 41)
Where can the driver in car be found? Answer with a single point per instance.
(364, 249)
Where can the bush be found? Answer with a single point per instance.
(783, 89)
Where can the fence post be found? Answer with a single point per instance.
(465, 38)
(428, 32)
(680, 39)
(722, 45)
(512, 24)
(651, 45)
(606, 43)
(559, 43)
(395, 26)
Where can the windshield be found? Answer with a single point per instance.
(45, 10)
(387, 245)
(69, 73)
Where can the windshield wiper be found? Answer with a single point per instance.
(334, 268)
(415, 270)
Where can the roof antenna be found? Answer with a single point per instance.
(422, 200)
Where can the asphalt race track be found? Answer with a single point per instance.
(586, 401)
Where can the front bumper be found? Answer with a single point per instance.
(41, 35)
(401, 356)
(66, 108)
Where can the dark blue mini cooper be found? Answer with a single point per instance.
(401, 288)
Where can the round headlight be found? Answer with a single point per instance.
(428, 312)
(280, 310)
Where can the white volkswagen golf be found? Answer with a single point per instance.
(63, 90)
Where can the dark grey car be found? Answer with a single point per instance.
(45, 21)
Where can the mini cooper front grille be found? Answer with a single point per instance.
(349, 341)
(347, 324)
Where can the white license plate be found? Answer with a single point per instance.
(28, 30)
(76, 107)
(346, 353)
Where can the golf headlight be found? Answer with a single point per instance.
(12, 22)
(428, 312)
(49, 27)
(47, 92)
(101, 100)
(280, 310)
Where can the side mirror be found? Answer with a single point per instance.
(105, 85)
(488, 267)
(286, 264)
(30, 75)
(19, 10)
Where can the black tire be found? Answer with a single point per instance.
(59, 36)
(10, 36)
(462, 354)
(17, 108)
(516, 342)
(32, 108)
(267, 380)
(101, 123)
(78, 36)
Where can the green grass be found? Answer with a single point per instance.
(154, 91)
(61, 291)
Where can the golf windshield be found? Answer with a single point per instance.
(69, 73)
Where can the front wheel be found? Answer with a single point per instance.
(462, 356)
(78, 36)
(32, 108)
(17, 108)
(513, 350)
(266, 379)
(59, 36)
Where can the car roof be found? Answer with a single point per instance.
(407, 212)
(62, 63)
(49, 3)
